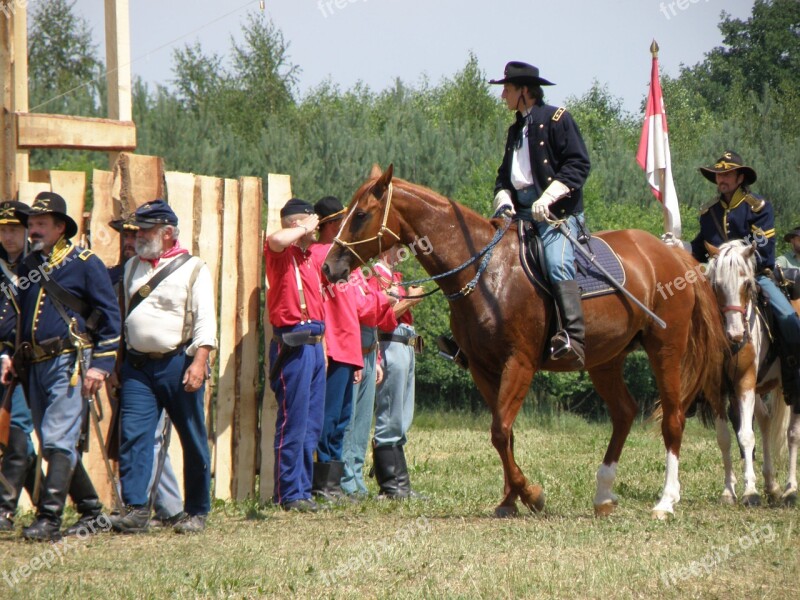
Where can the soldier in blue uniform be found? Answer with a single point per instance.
(544, 168)
(736, 213)
(20, 456)
(76, 319)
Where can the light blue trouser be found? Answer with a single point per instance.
(356, 436)
(559, 255)
(168, 501)
(785, 315)
(21, 415)
(394, 405)
(57, 407)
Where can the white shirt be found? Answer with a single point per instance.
(156, 325)
(521, 172)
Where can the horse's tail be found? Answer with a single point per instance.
(702, 364)
(777, 430)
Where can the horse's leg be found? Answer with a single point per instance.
(764, 417)
(793, 438)
(622, 408)
(747, 439)
(724, 443)
(514, 385)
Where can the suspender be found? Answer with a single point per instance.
(301, 294)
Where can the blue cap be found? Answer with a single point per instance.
(295, 206)
(153, 214)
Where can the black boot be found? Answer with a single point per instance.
(47, 525)
(326, 481)
(568, 343)
(387, 472)
(403, 480)
(87, 503)
(319, 480)
(16, 464)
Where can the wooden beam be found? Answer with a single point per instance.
(248, 302)
(20, 75)
(8, 185)
(228, 341)
(105, 241)
(138, 179)
(279, 190)
(74, 133)
(71, 185)
(118, 60)
(29, 189)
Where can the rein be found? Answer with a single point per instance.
(378, 236)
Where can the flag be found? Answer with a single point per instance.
(653, 154)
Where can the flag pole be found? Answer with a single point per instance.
(662, 176)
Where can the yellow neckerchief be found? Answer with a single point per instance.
(59, 253)
(737, 198)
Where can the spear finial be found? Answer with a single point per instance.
(654, 49)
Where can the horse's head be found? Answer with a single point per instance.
(731, 272)
(369, 227)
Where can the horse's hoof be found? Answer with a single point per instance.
(606, 509)
(533, 498)
(790, 499)
(506, 512)
(751, 500)
(727, 499)
(662, 515)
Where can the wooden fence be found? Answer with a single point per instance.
(220, 221)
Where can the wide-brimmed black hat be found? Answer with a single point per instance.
(8, 211)
(329, 209)
(788, 237)
(729, 161)
(121, 225)
(295, 206)
(49, 203)
(521, 73)
(154, 213)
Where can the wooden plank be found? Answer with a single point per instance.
(105, 241)
(228, 341)
(248, 300)
(206, 243)
(29, 189)
(20, 77)
(93, 460)
(36, 130)
(118, 60)
(279, 190)
(138, 179)
(180, 196)
(71, 185)
(8, 183)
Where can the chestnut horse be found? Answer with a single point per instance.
(731, 272)
(502, 327)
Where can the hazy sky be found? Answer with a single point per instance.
(573, 42)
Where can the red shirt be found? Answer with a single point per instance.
(283, 298)
(384, 279)
(342, 331)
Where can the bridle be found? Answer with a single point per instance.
(378, 236)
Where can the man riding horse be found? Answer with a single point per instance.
(736, 213)
(544, 168)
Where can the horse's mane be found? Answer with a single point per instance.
(726, 266)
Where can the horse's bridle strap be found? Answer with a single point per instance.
(379, 236)
(733, 308)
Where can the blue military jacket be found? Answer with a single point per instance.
(748, 217)
(82, 274)
(8, 308)
(557, 152)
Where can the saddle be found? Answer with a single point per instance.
(590, 280)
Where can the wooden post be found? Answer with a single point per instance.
(118, 64)
(71, 185)
(14, 81)
(228, 341)
(248, 300)
(279, 190)
(105, 241)
(138, 179)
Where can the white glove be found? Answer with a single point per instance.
(554, 192)
(503, 201)
(670, 239)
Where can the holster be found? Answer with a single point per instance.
(289, 342)
(22, 360)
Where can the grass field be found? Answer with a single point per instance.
(451, 546)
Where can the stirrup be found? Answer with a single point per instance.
(560, 345)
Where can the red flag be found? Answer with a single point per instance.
(653, 154)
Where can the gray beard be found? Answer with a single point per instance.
(149, 250)
(37, 245)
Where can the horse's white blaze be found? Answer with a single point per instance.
(734, 325)
(606, 475)
(672, 487)
(724, 443)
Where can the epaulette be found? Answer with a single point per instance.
(85, 254)
(557, 115)
(756, 204)
(704, 209)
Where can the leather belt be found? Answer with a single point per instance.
(50, 348)
(311, 340)
(408, 340)
(137, 356)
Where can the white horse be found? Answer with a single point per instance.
(731, 272)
